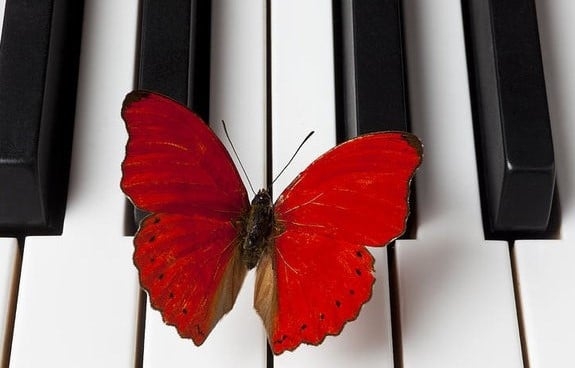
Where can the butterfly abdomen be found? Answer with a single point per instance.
(256, 228)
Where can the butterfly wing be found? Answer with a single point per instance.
(318, 273)
(176, 169)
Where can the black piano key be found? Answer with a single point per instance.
(370, 71)
(371, 79)
(39, 58)
(371, 92)
(510, 114)
(174, 55)
(165, 42)
(174, 60)
(370, 60)
(174, 50)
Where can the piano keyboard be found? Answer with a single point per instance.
(445, 296)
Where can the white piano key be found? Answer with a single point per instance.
(545, 276)
(238, 96)
(77, 302)
(9, 258)
(302, 84)
(237, 341)
(546, 268)
(455, 289)
(303, 100)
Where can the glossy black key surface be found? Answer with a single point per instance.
(39, 57)
(175, 50)
(371, 92)
(174, 55)
(510, 114)
(174, 60)
(370, 61)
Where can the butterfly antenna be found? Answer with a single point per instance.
(238, 157)
(292, 157)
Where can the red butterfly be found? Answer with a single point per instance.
(202, 235)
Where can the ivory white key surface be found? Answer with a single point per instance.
(546, 268)
(455, 289)
(303, 100)
(238, 97)
(77, 302)
(9, 258)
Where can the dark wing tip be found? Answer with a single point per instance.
(414, 142)
(133, 97)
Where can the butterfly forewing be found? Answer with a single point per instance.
(354, 195)
(186, 251)
(175, 163)
(357, 191)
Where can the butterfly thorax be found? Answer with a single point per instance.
(257, 228)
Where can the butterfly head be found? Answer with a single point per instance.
(257, 228)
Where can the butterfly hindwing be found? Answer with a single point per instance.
(191, 268)
(354, 195)
(315, 290)
(186, 251)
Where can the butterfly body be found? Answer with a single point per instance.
(256, 228)
(313, 271)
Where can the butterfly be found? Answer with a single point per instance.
(202, 234)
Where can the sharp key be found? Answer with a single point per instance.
(544, 268)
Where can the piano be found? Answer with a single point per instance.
(460, 289)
